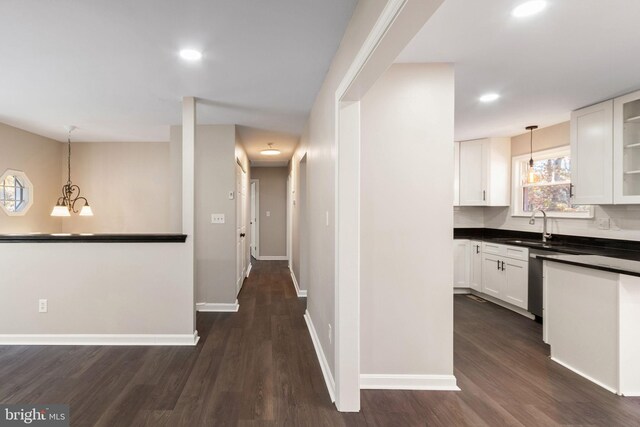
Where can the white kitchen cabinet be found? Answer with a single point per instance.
(485, 172)
(460, 263)
(626, 148)
(456, 174)
(505, 273)
(592, 154)
(475, 265)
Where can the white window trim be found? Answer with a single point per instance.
(516, 194)
(28, 185)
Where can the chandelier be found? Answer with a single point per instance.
(70, 192)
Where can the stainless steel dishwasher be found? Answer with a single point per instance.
(535, 282)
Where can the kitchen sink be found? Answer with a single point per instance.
(533, 243)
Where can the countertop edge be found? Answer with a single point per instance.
(591, 266)
(94, 238)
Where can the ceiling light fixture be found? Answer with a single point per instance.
(70, 192)
(529, 8)
(489, 97)
(270, 151)
(190, 54)
(532, 176)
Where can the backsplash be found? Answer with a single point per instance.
(625, 221)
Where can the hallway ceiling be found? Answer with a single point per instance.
(113, 70)
(572, 54)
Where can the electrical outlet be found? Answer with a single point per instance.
(268, 213)
(330, 334)
(231, 195)
(604, 223)
(217, 218)
(43, 306)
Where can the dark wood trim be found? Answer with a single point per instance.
(93, 238)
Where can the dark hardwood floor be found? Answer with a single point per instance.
(258, 367)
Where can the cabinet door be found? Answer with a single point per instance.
(626, 143)
(475, 269)
(456, 174)
(592, 154)
(516, 289)
(472, 173)
(492, 277)
(460, 263)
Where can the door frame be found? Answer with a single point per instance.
(257, 200)
(289, 218)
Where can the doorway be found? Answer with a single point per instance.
(253, 219)
(241, 226)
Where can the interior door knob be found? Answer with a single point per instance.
(242, 234)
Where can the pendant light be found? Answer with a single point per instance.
(270, 151)
(70, 192)
(531, 175)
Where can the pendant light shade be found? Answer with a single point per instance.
(70, 192)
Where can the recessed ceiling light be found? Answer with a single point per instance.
(270, 151)
(190, 54)
(489, 97)
(529, 8)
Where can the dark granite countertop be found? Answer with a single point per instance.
(597, 262)
(92, 238)
(565, 244)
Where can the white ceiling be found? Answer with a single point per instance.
(575, 53)
(112, 67)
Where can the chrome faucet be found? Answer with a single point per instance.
(532, 221)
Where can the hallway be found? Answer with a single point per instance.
(258, 367)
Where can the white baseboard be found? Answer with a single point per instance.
(582, 374)
(324, 365)
(408, 382)
(301, 293)
(504, 304)
(217, 307)
(249, 269)
(461, 291)
(273, 258)
(100, 339)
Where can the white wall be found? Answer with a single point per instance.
(318, 142)
(39, 158)
(625, 219)
(95, 288)
(273, 198)
(127, 185)
(406, 220)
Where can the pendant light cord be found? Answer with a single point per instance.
(69, 158)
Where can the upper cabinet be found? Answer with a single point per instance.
(626, 133)
(484, 172)
(592, 154)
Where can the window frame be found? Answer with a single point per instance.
(27, 188)
(517, 188)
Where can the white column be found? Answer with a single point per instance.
(188, 184)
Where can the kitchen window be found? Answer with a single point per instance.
(546, 186)
(16, 193)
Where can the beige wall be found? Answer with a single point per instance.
(273, 198)
(625, 219)
(39, 158)
(126, 183)
(299, 218)
(406, 267)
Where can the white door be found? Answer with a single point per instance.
(473, 157)
(456, 174)
(592, 154)
(253, 220)
(492, 277)
(241, 228)
(475, 268)
(516, 289)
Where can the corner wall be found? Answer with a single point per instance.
(406, 220)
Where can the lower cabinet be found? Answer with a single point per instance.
(475, 266)
(460, 263)
(506, 278)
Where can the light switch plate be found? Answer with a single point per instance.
(268, 213)
(217, 218)
(231, 195)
